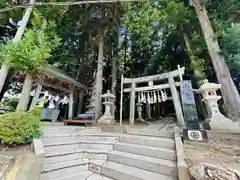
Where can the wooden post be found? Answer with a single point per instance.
(36, 96)
(149, 111)
(176, 102)
(132, 105)
(24, 98)
(70, 106)
(121, 100)
(80, 101)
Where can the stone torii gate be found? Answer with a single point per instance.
(150, 80)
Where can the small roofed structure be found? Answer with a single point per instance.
(55, 76)
(54, 80)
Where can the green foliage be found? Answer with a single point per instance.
(231, 39)
(174, 14)
(10, 103)
(143, 18)
(20, 127)
(154, 29)
(34, 49)
(231, 47)
(140, 18)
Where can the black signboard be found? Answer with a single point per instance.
(189, 105)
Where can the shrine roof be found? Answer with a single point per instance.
(58, 74)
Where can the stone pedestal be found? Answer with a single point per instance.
(108, 117)
(139, 110)
(216, 120)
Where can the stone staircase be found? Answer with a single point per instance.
(79, 153)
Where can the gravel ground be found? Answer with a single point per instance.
(222, 149)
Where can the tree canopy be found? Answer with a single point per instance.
(145, 37)
(34, 49)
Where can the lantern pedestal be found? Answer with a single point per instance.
(216, 119)
(108, 116)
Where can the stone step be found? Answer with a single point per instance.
(64, 164)
(160, 166)
(78, 139)
(67, 157)
(85, 153)
(57, 174)
(80, 175)
(148, 141)
(99, 134)
(123, 172)
(75, 148)
(149, 132)
(95, 165)
(65, 129)
(156, 152)
(70, 132)
(77, 176)
(96, 176)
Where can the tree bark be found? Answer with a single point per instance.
(24, 98)
(80, 101)
(114, 82)
(114, 79)
(99, 76)
(229, 91)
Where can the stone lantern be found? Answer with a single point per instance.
(108, 117)
(216, 119)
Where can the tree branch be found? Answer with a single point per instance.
(69, 3)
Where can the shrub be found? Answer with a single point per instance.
(20, 127)
(10, 103)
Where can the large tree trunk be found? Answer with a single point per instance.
(114, 79)
(99, 77)
(229, 91)
(24, 98)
